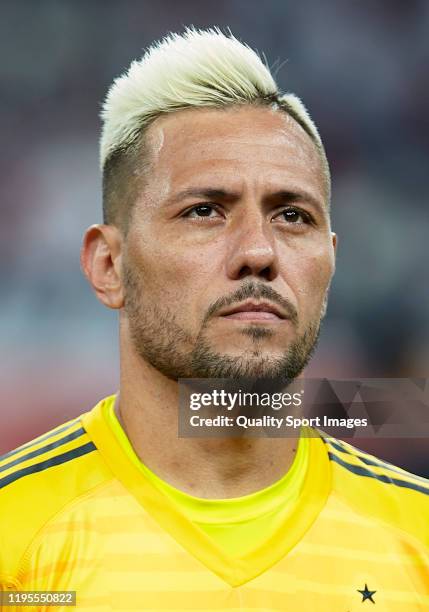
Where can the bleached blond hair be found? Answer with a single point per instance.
(199, 68)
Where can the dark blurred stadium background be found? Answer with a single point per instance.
(362, 70)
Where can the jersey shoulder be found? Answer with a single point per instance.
(380, 489)
(39, 479)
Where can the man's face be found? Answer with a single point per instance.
(231, 216)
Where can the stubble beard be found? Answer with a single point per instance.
(162, 342)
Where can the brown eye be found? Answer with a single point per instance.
(201, 211)
(293, 215)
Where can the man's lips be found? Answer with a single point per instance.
(253, 315)
(254, 311)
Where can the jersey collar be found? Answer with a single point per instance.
(234, 571)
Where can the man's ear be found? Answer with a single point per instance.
(334, 239)
(325, 299)
(100, 260)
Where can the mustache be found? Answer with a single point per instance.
(258, 291)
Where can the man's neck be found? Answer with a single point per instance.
(147, 408)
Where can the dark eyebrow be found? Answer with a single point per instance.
(204, 192)
(289, 196)
(281, 197)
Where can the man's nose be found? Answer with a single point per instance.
(252, 250)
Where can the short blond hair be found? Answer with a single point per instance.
(195, 69)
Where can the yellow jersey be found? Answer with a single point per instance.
(79, 512)
(236, 524)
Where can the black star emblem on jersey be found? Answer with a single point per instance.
(366, 594)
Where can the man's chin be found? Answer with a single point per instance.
(278, 330)
(258, 341)
(253, 355)
(260, 365)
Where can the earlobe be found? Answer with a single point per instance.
(334, 246)
(100, 258)
(334, 241)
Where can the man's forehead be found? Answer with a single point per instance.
(229, 121)
(230, 134)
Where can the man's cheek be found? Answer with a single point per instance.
(174, 287)
(311, 290)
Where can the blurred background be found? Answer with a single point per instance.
(362, 70)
